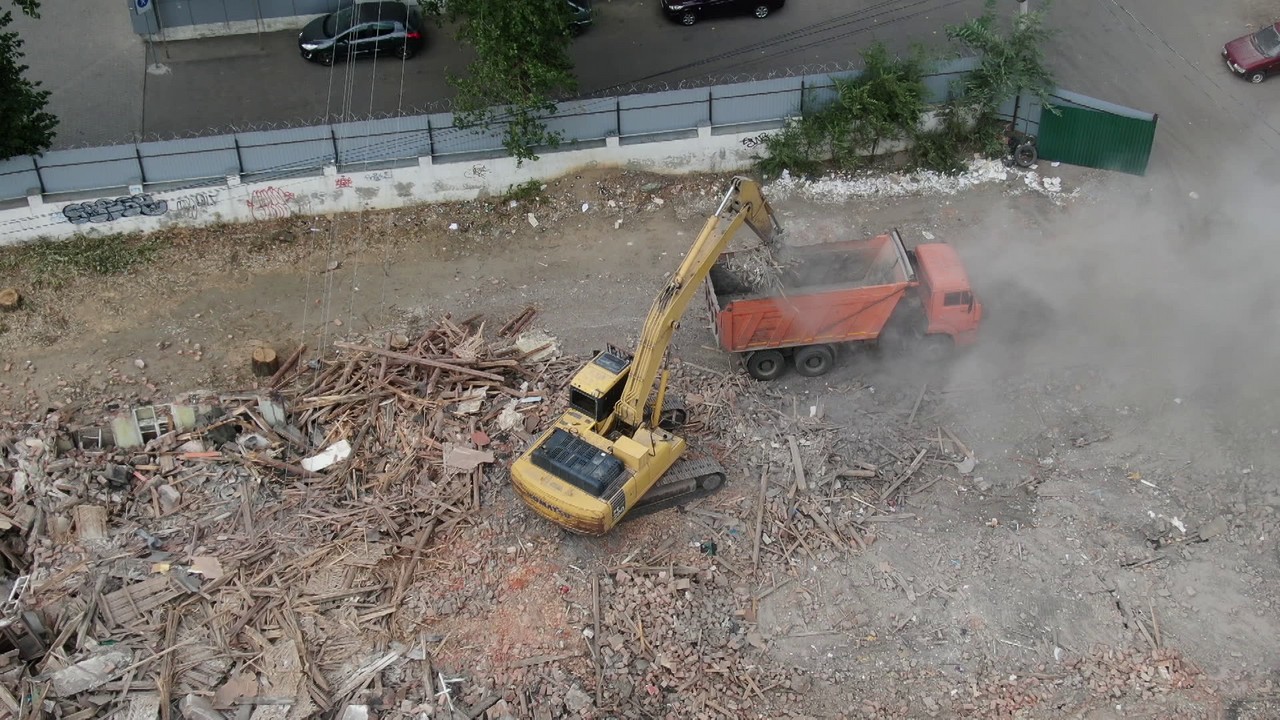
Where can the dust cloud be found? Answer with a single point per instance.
(1167, 294)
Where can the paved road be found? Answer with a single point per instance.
(86, 54)
(221, 82)
(1158, 55)
(1163, 56)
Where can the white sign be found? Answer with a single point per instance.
(142, 6)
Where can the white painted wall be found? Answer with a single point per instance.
(335, 192)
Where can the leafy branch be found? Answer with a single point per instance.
(522, 67)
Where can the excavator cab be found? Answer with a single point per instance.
(597, 387)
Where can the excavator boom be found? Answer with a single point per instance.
(743, 203)
(601, 459)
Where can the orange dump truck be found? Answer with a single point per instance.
(832, 295)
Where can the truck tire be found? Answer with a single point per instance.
(814, 360)
(765, 364)
(936, 348)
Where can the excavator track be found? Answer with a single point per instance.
(686, 480)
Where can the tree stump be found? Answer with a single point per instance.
(10, 299)
(265, 361)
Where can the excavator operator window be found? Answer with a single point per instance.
(598, 408)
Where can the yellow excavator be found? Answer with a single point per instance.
(612, 453)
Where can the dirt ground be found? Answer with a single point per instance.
(1112, 553)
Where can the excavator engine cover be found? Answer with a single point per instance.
(578, 462)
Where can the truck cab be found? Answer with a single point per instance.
(950, 306)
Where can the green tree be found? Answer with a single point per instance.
(1010, 59)
(25, 127)
(522, 67)
(881, 104)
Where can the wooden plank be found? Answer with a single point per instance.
(133, 601)
(91, 522)
(797, 463)
(755, 548)
(425, 362)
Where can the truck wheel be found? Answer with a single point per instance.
(765, 364)
(936, 348)
(814, 360)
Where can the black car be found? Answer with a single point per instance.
(580, 15)
(688, 12)
(359, 30)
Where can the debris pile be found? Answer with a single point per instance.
(843, 187)
(673, 638)
(260, 550)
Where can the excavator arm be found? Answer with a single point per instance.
(600, 460)
(744, 203)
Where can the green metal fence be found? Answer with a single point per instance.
(1097, 137)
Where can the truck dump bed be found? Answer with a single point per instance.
(828, 293)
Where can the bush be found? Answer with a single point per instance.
(882, 104)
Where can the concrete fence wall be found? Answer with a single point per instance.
(395, 161)
(232, 199)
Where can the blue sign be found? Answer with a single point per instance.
(141, 6)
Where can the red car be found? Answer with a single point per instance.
(1256, 55)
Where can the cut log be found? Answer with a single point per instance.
(265, 361)
(10, 299)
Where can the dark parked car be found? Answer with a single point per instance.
(688, 12)
(361, 30)
(580, 15)
(1254, 56)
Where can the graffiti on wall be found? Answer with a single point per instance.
(342, 182)
(190, 207)
(378, 176)
(270, 203)
(109, 209)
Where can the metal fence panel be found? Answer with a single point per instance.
(1097, 139)
(176, 13)
(87, 169)
(756, 101)
(189, 159)
(370, 141)
(820, 90)
(446, 139)
(282, 153)
(1070, 99)
(183, 13)
(291, 8)
(666, 111)
(585, 120)
(236, 10)
(1027, 108)
(946, 80)
(18, 178)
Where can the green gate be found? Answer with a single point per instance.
(1097, 138)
